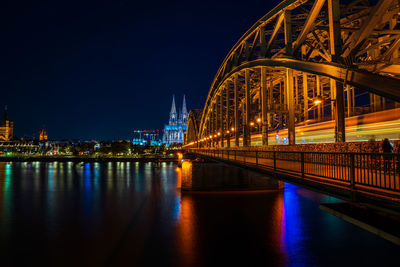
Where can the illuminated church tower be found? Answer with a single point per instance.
(6, 127)
(43, 135)
(184, 112)
(176, 128)
(173, 116)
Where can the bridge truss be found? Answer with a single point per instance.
(303, 62)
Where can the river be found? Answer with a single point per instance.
(133, 214)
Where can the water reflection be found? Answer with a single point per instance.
(134, 214)
(187, 231)
(6, 204)
(292, 234)
(279, 228)
(50, 193)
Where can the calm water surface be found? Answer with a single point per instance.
(132, 214)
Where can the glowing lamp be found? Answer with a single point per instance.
(258, 120)
(180, 156)
(232, 129)
(251, 123)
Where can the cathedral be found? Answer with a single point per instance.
(6, 128)
(176, 128)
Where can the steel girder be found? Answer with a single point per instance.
(377, 84)
(353, 42)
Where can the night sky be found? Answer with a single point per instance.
(99, 69)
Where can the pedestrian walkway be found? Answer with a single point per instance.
(374, 174)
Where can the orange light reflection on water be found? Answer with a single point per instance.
(187, 220)
(187, 232)
(178, 177)
(187, 174)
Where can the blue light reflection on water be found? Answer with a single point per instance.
(87, 173)
(7, 195)
(96, 174)
(50, 177)
(312, 237)
(293, 233)
(51, 196)
(177, 209)
(7, 180)
(88, 197)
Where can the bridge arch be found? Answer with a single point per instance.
(303, 62)
(192, 132)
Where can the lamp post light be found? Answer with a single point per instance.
(315, 102)
(258, 124)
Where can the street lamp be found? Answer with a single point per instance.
(258, 124)
(317, 101)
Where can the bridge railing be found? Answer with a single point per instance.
(375, 173)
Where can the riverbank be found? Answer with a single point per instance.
(86, 159)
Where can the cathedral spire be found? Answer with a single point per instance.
(173, 108)
(185, 114)
(184, 110)
(172, 114)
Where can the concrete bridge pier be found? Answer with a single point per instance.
(211, 175)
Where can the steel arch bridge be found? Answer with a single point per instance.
(304, 62)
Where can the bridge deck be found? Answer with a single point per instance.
(377, 175)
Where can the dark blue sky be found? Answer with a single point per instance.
(99, 69)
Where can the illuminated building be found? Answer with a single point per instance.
(6, 127)
(176, 128)
(139, 141)
(146, 137)
(43, 135)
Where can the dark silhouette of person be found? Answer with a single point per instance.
(386, 146)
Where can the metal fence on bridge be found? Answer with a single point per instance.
(375, 173)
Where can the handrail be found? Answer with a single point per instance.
(371, 173)
(306, 152)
